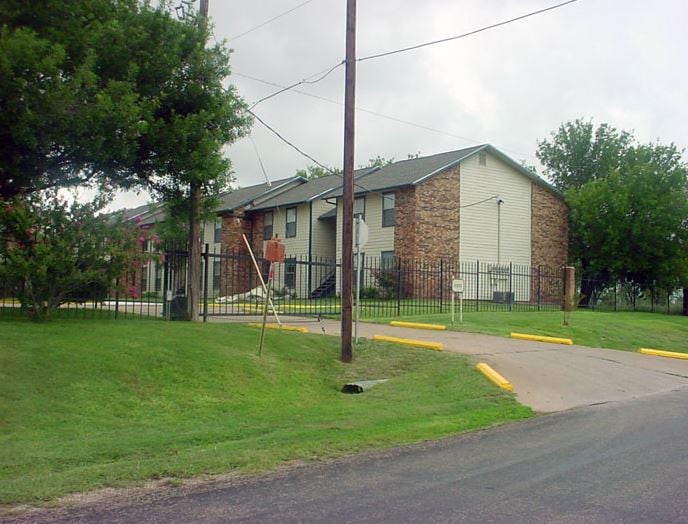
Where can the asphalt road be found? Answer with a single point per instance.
(618, 462)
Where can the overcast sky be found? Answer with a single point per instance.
(617, 61)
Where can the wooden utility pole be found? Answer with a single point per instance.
(194, 249)
(348, 197)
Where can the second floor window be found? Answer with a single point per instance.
(291, 222)
(387, 209)
(267, 225)
(359, 207)
(217, 237)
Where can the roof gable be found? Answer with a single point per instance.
(416, 171)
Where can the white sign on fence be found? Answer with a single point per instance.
(457, 285)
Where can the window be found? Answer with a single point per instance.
(482, 158)
(387, 209)
(291, 222)
(267, 225)
(158, 278)
(217, 271)
(359, 207)
(290, 273)
(387, 260)
(218, 230)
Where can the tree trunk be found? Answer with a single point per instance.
(685, 301)
(194, 278)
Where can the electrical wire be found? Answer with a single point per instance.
(340, 175)
(327, 72)
(309, 157)
(270, 20)
(290, 144)
(470, 33)
(321, 76)
(381, 115)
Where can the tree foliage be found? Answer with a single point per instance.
(115, 91)
(628, 206)
(578, 153)
(52, 253)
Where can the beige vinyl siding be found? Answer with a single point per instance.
(295, 247)
(379, 238)
(478, 223)
(324, 239)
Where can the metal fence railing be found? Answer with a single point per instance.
(602, 295)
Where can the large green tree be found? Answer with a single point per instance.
(628, 206)
(117, 92)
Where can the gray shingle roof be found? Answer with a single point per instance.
(416, 170)
(246, 195)
(312, 190)
(406, 172)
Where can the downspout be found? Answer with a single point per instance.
(499, 230)
(310, 247)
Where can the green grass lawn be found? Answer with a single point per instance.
(627, 331)
(93, 403)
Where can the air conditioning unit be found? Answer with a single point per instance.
(503, 297)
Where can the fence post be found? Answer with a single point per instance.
(539, 288)
(165, 284)
(511, 286)
(616, 290)
(398, 287)
(477, 286)
(441, 285)
(116, 297)
(206, 264)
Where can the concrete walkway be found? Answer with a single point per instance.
(546, 377)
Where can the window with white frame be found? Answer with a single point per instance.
(217, 238)
(359, 207)
(387, 260)
(291, 222)
(387, 209)
(267, 225)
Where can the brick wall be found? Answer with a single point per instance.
(427, 218)
(549, 226)
(427, 227)
(238, 275)
(549, 239)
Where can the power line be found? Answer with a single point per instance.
(470, 33)
(290, 144)
(321, 76)
(270, 20)
(410, 48)
(381, 115)
(309, 157)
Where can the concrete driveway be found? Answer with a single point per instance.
(546, 377)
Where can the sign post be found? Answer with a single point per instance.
(360, 239)
(457, 287)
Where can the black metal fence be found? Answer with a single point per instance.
(309, 286)
(387, 286)
(601, 295)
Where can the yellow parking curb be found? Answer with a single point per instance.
(283, 328)
(417, 325)
(540, 338)
(436, 346)
(495, 377)
(662, 353)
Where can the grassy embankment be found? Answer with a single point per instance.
(86, 404)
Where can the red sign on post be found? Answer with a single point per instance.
(274, 250)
